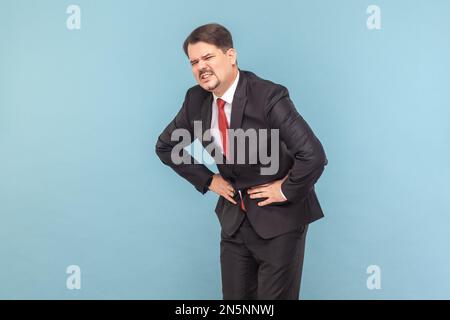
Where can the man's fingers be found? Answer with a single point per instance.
(230, 199)
(265, 202)
(227, 191)
(256, 190)
(261, 186)
(258, 195)
(230, 188)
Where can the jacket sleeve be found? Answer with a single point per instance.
(307, 151)
(197, 174)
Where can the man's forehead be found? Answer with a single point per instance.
(199, 51)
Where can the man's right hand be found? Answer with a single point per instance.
(222, 187)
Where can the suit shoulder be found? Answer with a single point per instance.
(193, 100)
(269, 88)
(196, 92)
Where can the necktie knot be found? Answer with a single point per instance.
(220, 103)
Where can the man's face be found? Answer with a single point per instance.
(212, 68)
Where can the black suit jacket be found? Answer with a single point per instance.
(257, 104)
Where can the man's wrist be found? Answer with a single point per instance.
(208, 182)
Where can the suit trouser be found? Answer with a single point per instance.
(257, 268)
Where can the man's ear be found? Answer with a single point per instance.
(232, 56)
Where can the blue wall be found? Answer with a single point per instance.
(80, 111)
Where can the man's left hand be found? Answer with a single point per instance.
(271, 191)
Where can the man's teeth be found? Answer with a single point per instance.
(205, 75)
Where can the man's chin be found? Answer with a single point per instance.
(209, 87)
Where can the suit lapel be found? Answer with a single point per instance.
(237, 110)
(206, 115)
(239, 102)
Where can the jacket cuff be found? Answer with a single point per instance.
(207, 184)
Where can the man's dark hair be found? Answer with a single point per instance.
(212, 33)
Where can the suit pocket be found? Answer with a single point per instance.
(219, 205)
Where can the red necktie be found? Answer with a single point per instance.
(223, 126)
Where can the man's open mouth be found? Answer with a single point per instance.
(206, 75)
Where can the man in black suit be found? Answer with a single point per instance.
(264, 212)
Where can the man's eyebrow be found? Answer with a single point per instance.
(203, 56)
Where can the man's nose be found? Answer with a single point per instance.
(202, 65)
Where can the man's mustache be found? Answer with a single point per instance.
(205, 71)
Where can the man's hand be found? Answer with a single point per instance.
(222, 187)
(271, 191)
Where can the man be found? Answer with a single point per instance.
(264, 217)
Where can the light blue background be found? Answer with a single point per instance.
(80, 112)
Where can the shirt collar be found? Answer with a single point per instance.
(229, 94)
